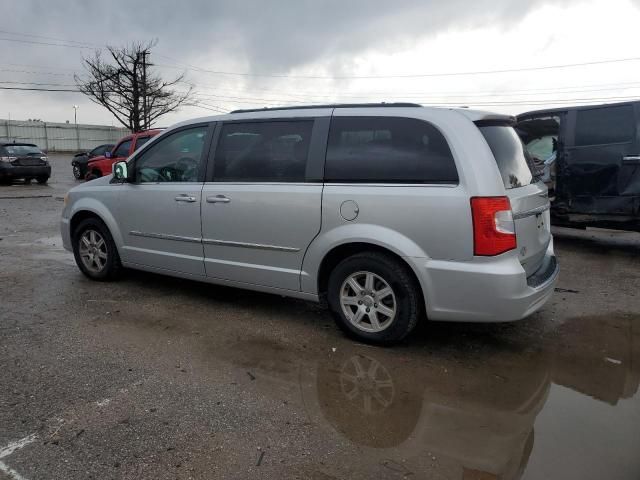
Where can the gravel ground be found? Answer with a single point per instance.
(154, 377)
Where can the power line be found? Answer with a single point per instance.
(48, 67)
(445, 104)
(423, 99)
(233, 100)
(20, 34)
(35, 42)
(306, 94)
(86, 45)
(40, 89)
(421, 75)
(38, 73)
(41, 84)
(399, 97)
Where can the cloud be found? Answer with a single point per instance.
(328, 37)
(266, 36)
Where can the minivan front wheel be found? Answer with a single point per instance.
(95, 251)
(373, 298)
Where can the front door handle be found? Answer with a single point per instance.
(631, 160)
(218, 199)
(185, 198)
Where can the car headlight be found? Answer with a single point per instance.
(7, 159)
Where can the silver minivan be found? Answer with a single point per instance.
(392, 213)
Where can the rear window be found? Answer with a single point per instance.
(508, 150)
(388, 150)
(600, 126)
(20, 150)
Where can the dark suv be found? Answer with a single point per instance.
(590, 157)
(23, 160)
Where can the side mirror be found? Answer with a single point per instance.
(107, 154)
(120, 171)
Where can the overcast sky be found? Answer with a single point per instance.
(312, 51)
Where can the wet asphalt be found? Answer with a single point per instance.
(154, 377)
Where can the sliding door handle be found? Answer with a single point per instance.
(218, 199)
(185, 198)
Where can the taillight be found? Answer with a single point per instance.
(494, 230)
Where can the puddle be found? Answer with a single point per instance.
(469, 402)
(570, 409)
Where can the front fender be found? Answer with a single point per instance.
(376, 235)
(98, 208)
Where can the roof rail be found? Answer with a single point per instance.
(333, 105)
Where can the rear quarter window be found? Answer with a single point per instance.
(387, 150)
(509, 153)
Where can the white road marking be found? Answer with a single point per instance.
(613, 360)
(17, 445)
(8, 450)
(4, 468)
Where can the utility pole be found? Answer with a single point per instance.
(145, 118)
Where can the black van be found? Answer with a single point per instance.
(590, 158)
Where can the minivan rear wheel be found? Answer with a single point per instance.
(95, 251)
(373, 298)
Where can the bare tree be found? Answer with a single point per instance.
(124, 86)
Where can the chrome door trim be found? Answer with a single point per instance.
(163, 236)
(533, 211)
(257, 246)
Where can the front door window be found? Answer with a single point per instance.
(175, 158)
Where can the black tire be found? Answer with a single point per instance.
(77, 171)
(406, 295)
(42, 180)
(112, 266)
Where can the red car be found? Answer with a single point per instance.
(100, 166)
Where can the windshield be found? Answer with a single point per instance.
(20, 150)
(510, 155)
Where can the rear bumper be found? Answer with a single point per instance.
(10, 171)
(487, 289)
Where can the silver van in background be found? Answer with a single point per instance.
(390, 212)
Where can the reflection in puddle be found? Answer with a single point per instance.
(364, 401)
(467, 417)
(365, 382)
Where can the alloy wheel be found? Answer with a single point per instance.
(93, 250)
(368, 301)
